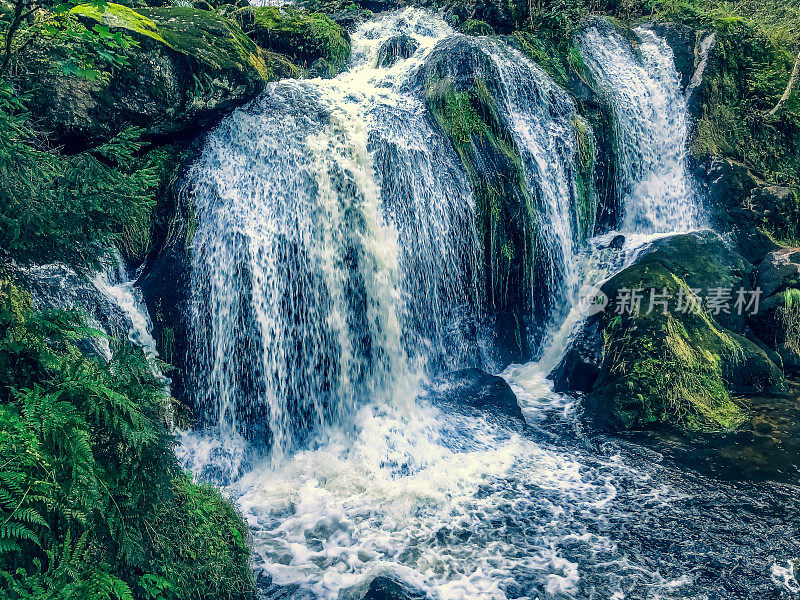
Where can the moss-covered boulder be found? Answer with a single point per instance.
(464, 92)
(459, 84)
(190, 67)
(664, 360)
(306, 37)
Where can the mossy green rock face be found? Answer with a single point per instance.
(191, 67)
(459, 86)
(669, 366)
(304, 36)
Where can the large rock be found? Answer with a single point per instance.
(190, 68)
(396, 48)
(473, 390)
(739, 203)
(463, 92)
(683, 40)
(306, 37)
(777, 322)
(670, 366)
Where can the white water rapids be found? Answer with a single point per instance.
(336, 263)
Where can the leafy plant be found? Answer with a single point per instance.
(93, 50)
(67, 208)
(92, 501)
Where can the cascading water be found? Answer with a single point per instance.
(335, 261)
(336, 253)
(651, 127)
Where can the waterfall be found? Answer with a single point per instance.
(336, 258)
(657, 198)
(651, 127)
(336, 261)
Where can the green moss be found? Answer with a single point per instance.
(211, 39)
(118, 16)
(476, 27)
(303, 36)
(667, 369)
(584, 179)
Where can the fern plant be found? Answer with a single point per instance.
(92, 501)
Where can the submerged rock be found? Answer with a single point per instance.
(386, 588)
(190, 68)
(669, 364)
(475, 390)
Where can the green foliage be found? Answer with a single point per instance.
(476, 27)
(67, 208)
(745, 83)
(303, 36)
(92, 502)
(789, 320)
(213, 553)
(88, 50)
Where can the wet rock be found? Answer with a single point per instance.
(703, 50)
(387, 588)
(755, 214)
(463, 90)
(190, 68)
(669, 366)
(777, 322)
(396, 48)
(683, 40)
(58, 287)
(704, 262)
(303, 36)
(165, 289)
(475, 390)
(618, 242)
(779, 271)
(579, 369)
